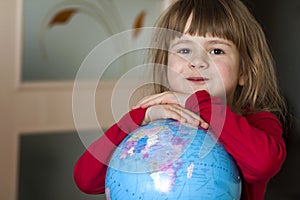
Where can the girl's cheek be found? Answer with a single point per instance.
(175, 70)
(177, 64)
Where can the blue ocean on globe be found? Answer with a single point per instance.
(168, 160)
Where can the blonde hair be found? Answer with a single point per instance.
(231, 20)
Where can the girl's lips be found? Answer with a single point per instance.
(197, 79)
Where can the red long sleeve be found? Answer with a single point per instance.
(254, 141)
(90, 169)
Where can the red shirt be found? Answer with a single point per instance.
(253, 140)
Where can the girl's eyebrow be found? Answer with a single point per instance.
(181, 42)
(219, 41)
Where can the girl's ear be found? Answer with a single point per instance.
(241, 80)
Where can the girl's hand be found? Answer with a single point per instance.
(170, 105)
(176, 112)
(167, 97)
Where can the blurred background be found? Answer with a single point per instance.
(38, 141)
(281, 23)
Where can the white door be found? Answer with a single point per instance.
(25, 108)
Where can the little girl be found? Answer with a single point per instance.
(218, 61)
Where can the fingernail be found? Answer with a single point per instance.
(205, 125)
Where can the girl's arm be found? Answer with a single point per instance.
(255, 140)
(90, 169)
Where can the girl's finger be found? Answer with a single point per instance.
(145, 101)
(161, 98)
(202, 123)
(189, 117)
(176, 112)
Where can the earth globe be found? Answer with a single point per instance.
(168, 160)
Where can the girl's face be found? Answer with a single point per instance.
(204, 63)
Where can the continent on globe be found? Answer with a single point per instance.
(168, 160)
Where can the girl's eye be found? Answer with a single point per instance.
(184, 51)
(217, 51)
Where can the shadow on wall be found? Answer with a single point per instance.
(285, 185)
(281, 23)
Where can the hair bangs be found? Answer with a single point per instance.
(204, 18)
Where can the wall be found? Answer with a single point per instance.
(7, 61)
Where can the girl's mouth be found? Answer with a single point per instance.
(197, 79)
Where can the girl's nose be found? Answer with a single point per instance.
(199, 61)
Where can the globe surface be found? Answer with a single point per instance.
(167, 160)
